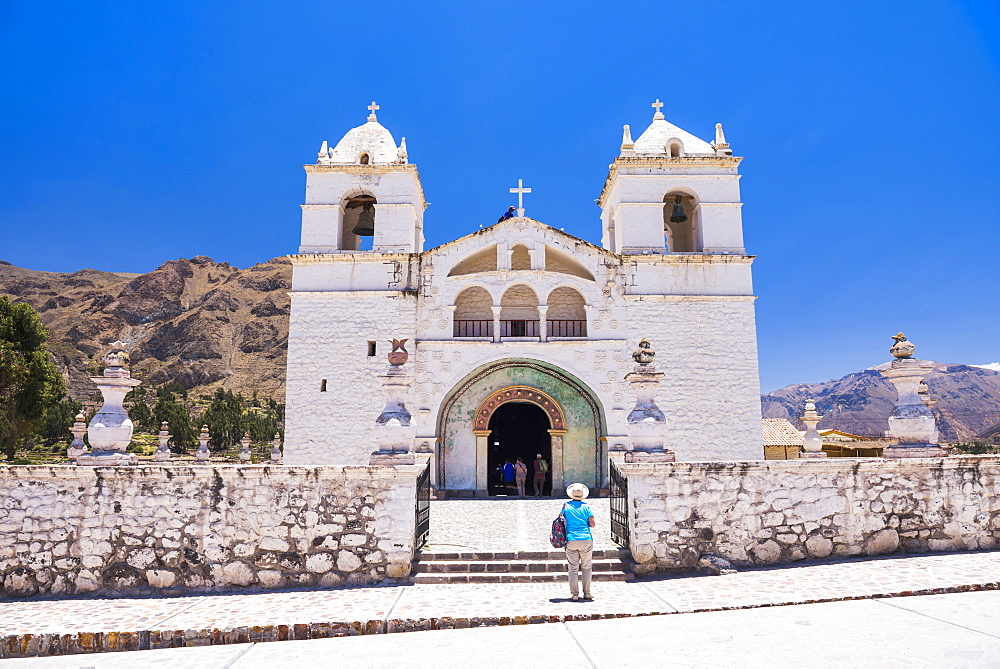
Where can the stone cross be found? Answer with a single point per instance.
(373, 107)
(657, 106)
(520, 190)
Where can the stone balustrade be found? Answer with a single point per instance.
(770, 512)
(68, 530)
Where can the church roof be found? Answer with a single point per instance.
(512, 224)
(654, 140)
(372, 138)
(780, 432)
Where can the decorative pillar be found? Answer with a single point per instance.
(812, 443)
(646, 425)
(496, 323)
(394, 427)
(245, 448)
(77, 447)
(482, 459)
(276, 449)
(911, 421)
(110, 430)
(203, 453)
(163, 450)
(543, 327)
(557, 460)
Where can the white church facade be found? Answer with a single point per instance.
(519, 334)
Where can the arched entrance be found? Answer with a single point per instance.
(463, 459)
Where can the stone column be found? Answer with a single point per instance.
(245, 448)
(203, 453)
(110, 430)
(812, 443)
(276, 449)
(543, 327)
(394, 427)
(646, 425)
(163, 450)
(77, 447)
(911, 421)
(557, 461)
(496, 323)
(482, 459)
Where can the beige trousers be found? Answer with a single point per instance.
(579, 554)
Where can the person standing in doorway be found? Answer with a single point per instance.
(520, 474)
(508, 476)
(579, 540)
(541, 468)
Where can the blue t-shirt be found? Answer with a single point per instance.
(508, 472)
(578, 515)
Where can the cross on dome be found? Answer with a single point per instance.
(373, 107)
(657, 106)
(520, 190)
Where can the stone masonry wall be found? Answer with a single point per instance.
(769, 512)
(68, 530)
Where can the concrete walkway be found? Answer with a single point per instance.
(58, 626)
(953, 630)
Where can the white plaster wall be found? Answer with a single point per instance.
(474, 303)
(566, 303)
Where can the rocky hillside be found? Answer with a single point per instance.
(967, 401)
(196, 321)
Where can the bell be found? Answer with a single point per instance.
(678, 215)
(366, 221)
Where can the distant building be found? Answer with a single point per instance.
(782, 441)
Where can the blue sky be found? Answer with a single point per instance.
(135, 133)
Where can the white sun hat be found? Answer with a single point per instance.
(577, 491)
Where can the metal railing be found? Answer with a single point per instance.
(619, 507)
(565, 328)
(518, 328)
(473, 328)
(423, 510)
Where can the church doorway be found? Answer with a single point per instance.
(517, 430)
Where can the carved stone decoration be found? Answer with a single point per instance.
(77, 447)
(812, 446)
(646, 425)
(276, 449)
(245, 448)
(911, 422)
(395, 428)
(110, 430)
(203, 453)
(163, 450)
(542, 400)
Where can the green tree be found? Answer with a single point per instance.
(142, 416)
(224, 417)
(29, 381)
(176, 414)
(57, 420)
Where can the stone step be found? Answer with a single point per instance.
(600, 554)
(513, 566)
(514, 578)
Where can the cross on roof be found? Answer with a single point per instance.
(373, 107)
(520, 190)
(657, 106)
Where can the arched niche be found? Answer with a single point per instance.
(681, 236)
(519, 312)
(520, 258)
(564, 263)
(473, 313)
(355, 204)
(484, 260)
(567, 313)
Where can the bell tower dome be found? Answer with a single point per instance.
(672, 192)
(363, 195)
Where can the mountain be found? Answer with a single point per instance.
(196, 321)
(967, 401)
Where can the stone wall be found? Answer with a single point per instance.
(761, 513)
(71, 530)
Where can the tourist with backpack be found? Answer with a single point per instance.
(541, 468)
(578, 519)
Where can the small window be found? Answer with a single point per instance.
(322, 386)
(371, 349)
(364, 159)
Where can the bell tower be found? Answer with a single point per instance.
(672, 192)
(363, 195)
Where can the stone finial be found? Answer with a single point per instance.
(903, 348)
(276, 449)
(110, 430)
(644, 354)
(324, 151)
(116, 358)
(203, 453)
(245, 448)
(924, 392)
(398, 355)
(628, 146)
(163, 449)
(77, 447)
(720, 139)
(401, 154)
(812, 446)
